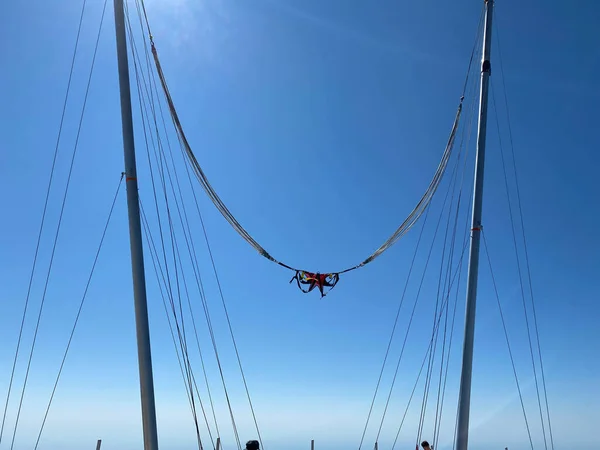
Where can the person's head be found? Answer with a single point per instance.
(252, 445)
(425, 445)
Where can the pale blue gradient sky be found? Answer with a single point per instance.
(285, 102)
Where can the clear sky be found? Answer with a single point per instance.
(319, 124)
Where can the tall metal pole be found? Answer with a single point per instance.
(462, 435)
(135, 238)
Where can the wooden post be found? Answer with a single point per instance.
(312, 444)
(98, 444)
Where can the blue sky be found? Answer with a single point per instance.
(319, 124)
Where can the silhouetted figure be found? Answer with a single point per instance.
(426, 446)
(254, 445)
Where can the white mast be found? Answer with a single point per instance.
(135, 238)
(462, 435)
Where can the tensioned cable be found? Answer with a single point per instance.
(393, 332)
(527, 265)
(160, 274)
(219, 286)
(456, 273)
(85, 291)
(443, 292)
(448, 293)
(228, 320)
(186, 290)
(441, 389)
(189, 379)
(153, 79)
(216, 353)
(62, 209)
(434, 338)
(435, 329)
(412, 316)
(214, 344)
(410, 270)
(395, 325)
(468, 128)
(188, 243)
(465, 242)
(153, 247)
(522, 288)
(512, 361)
(153, 84)
(415, 304)
(465, 143)
(39, 238)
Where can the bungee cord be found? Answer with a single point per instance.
(526, 253)
(307, 281)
